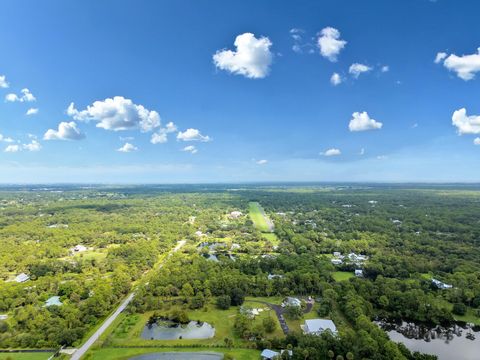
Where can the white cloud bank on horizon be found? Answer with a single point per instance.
(65, 131)
(252, 57)
(361, 121)
(117, 114)
(464, 66)
(330, 44)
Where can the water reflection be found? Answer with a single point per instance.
(169, 330)
(459, 342)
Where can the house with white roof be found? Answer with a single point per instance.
(441, 285)
(235, 214)
(268, 354)
(359, 272)
(337, 261)
(20, 278)
(318, 326)
(79, 248)
(291, 301)
(54, 300)
(274, 276)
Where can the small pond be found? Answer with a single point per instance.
(168, 330)
(459, 342)
(212, 246)
(179, 356)
(211, 257)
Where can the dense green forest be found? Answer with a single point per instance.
(92, 246)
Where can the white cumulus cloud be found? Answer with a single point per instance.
(31, 111)
(385, 68)
(65, 131)
(252, 57)
(26, 96)
(13, 148)
(161, 136)
(262, 162)
(476, 141)
(336, 79)
(466, 124)
(192, 135)
(361, 122)
(465, 66)
(191, 149)
(117, 114)
(440, 57)
(127, 147)
(33, 146)
(356, 69)
(3, 82)
(331, 152)
(330, 44)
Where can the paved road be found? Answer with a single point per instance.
(84, 348)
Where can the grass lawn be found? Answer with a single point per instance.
(276, 300)
(272, 238)
(278, 333)
(124, 354)
(469, 317)
(342, 275)
(25, 356)
(255, 212)
(91, 255)
(426, 276)
(128, 330)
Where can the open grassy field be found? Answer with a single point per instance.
(124, 354)
(255, 212)
(128, 331)
(25, 356)
(278, 333)
(469, 317)
(272, 238)
(342, 275)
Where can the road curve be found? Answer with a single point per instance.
(77, 355)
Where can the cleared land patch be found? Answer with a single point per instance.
(342, 275)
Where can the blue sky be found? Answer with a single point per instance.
(267, 110)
